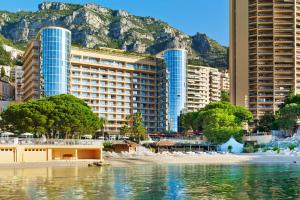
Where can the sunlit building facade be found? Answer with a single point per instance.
(274, 53)
(115, 85)
(204, 85)
(31, 72)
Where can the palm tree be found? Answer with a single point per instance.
(103, 122)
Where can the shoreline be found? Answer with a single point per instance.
(228, 159)
(160, 159)
(60, 163)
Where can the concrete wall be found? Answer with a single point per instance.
(35, 153)
(7, 155)
(88, 154)
(258, 139)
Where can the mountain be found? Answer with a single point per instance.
(95, 26)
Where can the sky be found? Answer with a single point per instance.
(190, 16)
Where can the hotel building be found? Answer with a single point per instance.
(274, 53)
(115, 83)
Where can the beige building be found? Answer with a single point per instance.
(274, 53)
(31, 71)
(238, 52)
(204, 85)
(225, 81)
(214, 85)
(21, 152)
(7, 91)
(114, 83)
(198, 90)
(17, 75)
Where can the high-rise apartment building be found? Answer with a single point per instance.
(225, 81)
(198, 89)
(238, 52)
(204, 85)
(274, 53)
(214, 85)
(17, 75)
(31, 68)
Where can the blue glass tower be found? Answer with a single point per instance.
(55, 60)
(175, 60)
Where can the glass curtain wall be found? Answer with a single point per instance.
(55, 60)
(175, 60)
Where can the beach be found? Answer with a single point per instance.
(219, 159)
(125, 160)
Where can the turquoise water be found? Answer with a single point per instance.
(153, 182)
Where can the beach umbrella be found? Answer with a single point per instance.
(6, 134)
(87, 136)
(27, 135)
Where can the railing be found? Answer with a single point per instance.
(56, 142)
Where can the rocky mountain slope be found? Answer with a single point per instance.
(94, 26)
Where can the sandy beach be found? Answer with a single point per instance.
(206, 159)
(226, 159)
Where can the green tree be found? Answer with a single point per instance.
(64, 114)
(103, 122)
(289, 113)
(266, 123)
(225, 96)
(5, 58)
(287, 117)
(221, 125)
(124, 130)
(137, 130)
(189, 121)
(2, 72)
(219, 121)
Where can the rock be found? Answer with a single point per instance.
(52, 6)
(94, 26)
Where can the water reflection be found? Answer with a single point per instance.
(153, 182)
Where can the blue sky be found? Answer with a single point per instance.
(190, 16)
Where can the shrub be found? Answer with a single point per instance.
(292, 147)
(107, 145)
(275, 149)
(266, 149)
(249, 149)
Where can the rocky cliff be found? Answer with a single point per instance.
(94, 26)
